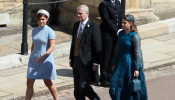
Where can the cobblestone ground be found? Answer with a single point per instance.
(68, 94)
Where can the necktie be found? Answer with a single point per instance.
(80, 31)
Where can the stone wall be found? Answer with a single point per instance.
(68, 13)
(6, 4)
(164, 9)
(32, 10)
(15, 15)
(145, 11)
(139, 9)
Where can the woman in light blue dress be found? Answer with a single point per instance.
(41, 62)
(128, 63)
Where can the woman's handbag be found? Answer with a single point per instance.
(135, 85)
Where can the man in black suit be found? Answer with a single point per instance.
(111, 14)
(85, 54)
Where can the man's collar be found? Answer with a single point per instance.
(84, 22)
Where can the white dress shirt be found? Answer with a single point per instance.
(82, 24)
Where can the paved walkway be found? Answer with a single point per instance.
(157, 52)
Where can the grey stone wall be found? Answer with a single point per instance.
(68, 13)
(164, 10)
(65, 13)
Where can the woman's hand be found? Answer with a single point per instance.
(41, 59)
(51, 48)
(136, 73)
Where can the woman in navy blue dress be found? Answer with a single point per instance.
(41, 62)
(128, 63)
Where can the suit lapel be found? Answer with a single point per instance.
(75, 32)
(76, 28)
(87, 27)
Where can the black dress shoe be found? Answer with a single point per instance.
(104, 84)
(94, 83)
(95, 97)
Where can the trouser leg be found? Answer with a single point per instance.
(85, 80)
(77, 94)
(106, 64)
(94, 77)
(82, 79)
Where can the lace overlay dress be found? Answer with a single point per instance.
(127, 58)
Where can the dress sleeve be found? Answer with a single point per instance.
(51, 34)
(138, 59)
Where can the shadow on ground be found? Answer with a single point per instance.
(64, 72)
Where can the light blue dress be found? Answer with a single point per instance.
(45, 70)
(127, 58)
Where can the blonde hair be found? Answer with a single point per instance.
(134, 28)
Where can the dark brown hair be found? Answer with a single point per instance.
(40, 15)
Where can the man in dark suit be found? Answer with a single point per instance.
(111, 14)
(85, 54)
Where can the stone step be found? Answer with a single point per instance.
(4, 19)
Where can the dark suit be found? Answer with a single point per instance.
(111, 21)
(89, 53)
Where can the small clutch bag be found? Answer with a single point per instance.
(135, 85)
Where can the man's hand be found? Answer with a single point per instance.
(95, 67)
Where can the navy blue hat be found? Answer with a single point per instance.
(130, 17)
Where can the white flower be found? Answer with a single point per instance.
(88, 25)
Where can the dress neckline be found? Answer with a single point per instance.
(42, 27)
(127, 33)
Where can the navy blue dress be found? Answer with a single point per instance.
(127, 58)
